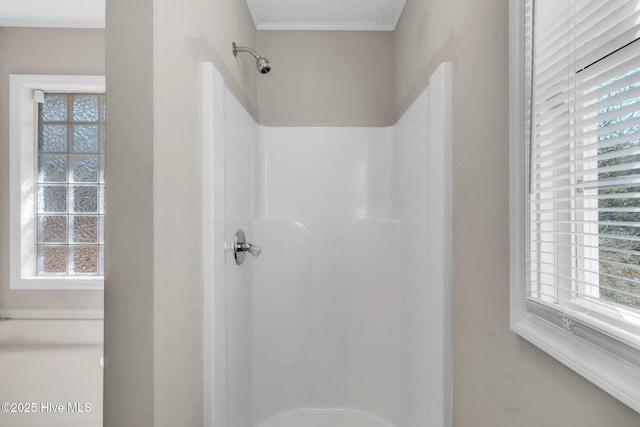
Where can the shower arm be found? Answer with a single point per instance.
(262, 64)
(237, 49)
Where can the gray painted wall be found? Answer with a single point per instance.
(40, 51)
(129, 234)
(326, 78)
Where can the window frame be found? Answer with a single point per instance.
(619, 378)
(23, 123)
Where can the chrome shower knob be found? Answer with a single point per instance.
(252, 249)
(241, 247)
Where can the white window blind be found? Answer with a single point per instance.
(583, 208)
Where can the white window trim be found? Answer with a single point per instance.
(23, 154)
(615, 376)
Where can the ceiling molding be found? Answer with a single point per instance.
(313, 26)
(53, 13)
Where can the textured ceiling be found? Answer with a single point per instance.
(375, 15)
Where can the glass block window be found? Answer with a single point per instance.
(71, 186)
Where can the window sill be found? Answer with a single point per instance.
(615, 376)
(59, 283)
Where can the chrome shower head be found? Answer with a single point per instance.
(262, 64)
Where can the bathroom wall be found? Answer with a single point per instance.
(129, 232)
(216, 25)
(153, 315)
(499, 379)
(326, 78)
(40, 51)
(423, 39)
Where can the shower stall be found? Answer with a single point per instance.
(343, 320)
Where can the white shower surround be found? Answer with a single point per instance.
(345, 316)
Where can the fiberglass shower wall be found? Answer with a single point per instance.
(327, 295)
(342, 318)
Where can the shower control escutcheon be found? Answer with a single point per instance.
(241, 247)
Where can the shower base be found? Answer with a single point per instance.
(307, 417)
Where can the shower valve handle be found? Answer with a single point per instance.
(241, 247)
(249, 247)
